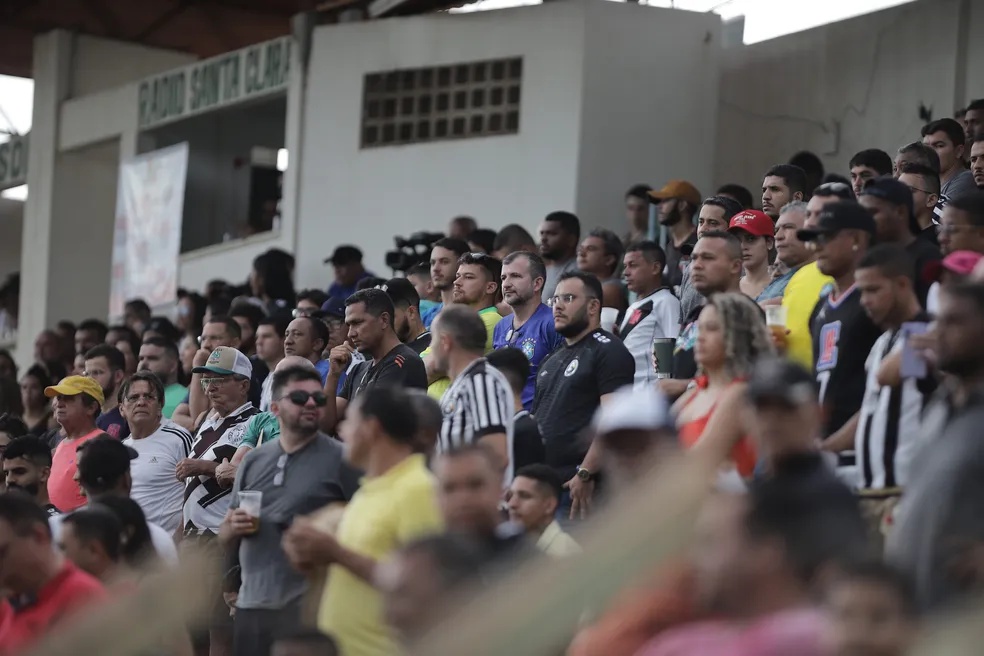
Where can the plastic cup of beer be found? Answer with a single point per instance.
(250, 502)
(775, 319)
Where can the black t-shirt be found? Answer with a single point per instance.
(677, 261)
(684, 364)
(926, 257)
(401, 367)
(420, 344)
(569, 387)
(842, 339)
(527, 442)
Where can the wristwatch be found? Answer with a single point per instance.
(584, 474)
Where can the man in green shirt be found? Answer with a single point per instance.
(160, 356)
(260, 429)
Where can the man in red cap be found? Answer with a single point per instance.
(755, 231)
(678, 204)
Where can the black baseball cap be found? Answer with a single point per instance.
(782, 380)
(105, 461)
(891, 190)
(401, 291)
(345, 254)
(842, 215)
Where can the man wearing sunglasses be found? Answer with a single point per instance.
(296, 474)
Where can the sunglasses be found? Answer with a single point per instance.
(300, 397)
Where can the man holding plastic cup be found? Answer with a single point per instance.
(276, 482)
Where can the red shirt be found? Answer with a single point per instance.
(65, 594)
(63, 491)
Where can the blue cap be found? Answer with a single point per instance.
(334, 307)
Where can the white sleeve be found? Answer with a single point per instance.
(669, 316)
(163, 544)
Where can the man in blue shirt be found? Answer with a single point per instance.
(530, 327)
(347, 262)
(444, 269)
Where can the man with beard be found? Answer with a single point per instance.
(530, 327)
(369, 316)
(407, 322)
(678, 203)
(27, 466)
(444, 269)
(559, 236)
(477, 286)
(938, 522)
(270, 596)
(106, 365)
(574, 380)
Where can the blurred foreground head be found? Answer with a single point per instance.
(635, 429)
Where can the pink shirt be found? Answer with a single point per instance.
(63, 491)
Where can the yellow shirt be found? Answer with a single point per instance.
(490, 317)
(386, 513)
(801, 297)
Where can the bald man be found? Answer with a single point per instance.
(261, 428)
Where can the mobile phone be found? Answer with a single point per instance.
(913, 364)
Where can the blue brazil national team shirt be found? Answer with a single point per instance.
(536, 339)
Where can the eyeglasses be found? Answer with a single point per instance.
(298, 313)
(300, 397)
(834, 187)
(215, 381)
(567, 299)
(825, 238)
(925, 191)
(278, 478)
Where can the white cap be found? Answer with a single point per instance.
(634, 409)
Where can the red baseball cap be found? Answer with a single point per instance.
(753, 222)
(961, 263)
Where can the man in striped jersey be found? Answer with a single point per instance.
(478, 407)
(161, 445)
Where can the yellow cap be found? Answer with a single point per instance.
(74, 385)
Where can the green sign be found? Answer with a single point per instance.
(217, 82)
(13, 162)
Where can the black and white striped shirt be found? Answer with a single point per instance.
(478, 403)
(889, 426)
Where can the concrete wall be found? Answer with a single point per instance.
(591, 101)
(649, 106)
(348, 195)
(844, 87)
(100, 64)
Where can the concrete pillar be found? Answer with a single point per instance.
(52, 66)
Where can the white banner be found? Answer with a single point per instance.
(147, 240)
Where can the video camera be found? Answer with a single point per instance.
(412, 251)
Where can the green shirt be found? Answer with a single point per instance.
(260, 429)
(174, 396)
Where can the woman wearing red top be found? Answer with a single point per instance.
(731, 337)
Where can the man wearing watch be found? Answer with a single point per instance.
(573, 381)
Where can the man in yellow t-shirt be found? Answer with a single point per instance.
(807, 286)
(477, 285)
(396, 504)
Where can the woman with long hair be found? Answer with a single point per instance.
(731, 337)
(37, 409)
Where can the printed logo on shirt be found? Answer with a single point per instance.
(601, 338)
(153, 460)
(829, 337)
(686, 339)
(398, 361)
(235, 434)
(113, 430)
(528, 347)
(571, 368)
(635, 318)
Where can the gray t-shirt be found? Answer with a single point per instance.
(959, 185)
(554, 272)
(292, 484)
(690, 298)
(942, 508)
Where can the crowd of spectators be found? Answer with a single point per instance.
(347, 460)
